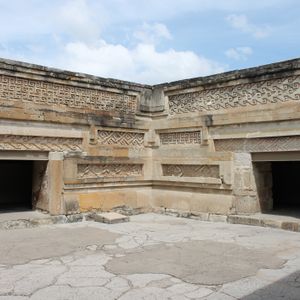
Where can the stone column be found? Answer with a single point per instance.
(264, 183)
(244, 189)
(55, 177)
(71, 199)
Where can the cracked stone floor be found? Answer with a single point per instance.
(151, 257)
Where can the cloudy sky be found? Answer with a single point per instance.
(150, 41)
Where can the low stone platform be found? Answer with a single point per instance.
(110, 218)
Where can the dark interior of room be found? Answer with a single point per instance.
(15, 185)
(286, 185)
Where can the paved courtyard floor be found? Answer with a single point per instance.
(151, 257)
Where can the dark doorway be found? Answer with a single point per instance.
(15, 185)
(286, 185)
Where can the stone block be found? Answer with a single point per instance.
(292, 226)
(55, 178)
(89, 201)
(246, 204)
(193, 201)
(271, 223)
(110, 218)
(217, 218)
(243, 159)
(199, 216)
(244, 220)
(116, 198)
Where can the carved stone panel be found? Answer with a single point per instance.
(109, 170)
(46, 93)
(121, 138)
(39, 143)
(242, 95)
(271, 144)
(175, 138)
(190, 170)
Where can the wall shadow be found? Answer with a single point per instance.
(286, 288)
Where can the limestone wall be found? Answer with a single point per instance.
(213, 125)
(186, 145)
(86, 130)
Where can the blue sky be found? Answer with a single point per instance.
(150, 41)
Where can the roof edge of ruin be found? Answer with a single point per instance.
(266, 71)
(15, 67)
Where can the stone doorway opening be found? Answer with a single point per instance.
(16, 185)
(277, 183)
(23, 185)
(286, 188)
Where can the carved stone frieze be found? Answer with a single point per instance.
(109, 170)
(121, 138)
(190, 170)
(270, 144)
(39, 143)
(186, 137)
(242, 95)
(46, 93)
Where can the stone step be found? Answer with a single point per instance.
(265, 220)
(110, 218)
(286, 220)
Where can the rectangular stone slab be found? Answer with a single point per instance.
(110, 218)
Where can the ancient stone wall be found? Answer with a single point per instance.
(85, 131)
(185, 146)
(219, 122)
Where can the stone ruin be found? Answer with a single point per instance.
(223, 144)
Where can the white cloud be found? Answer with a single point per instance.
(152, 33)
(78, 20)
(78, 35)
(19, 18)
(74, 42)
(239, 53)
(143, 63)
(242, 23)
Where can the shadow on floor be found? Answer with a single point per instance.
(289, 212)
(286, 288)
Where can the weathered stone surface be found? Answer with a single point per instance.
(190, 248)
(110, 218)
(40, 243)
(217, 264)
(185, 147)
